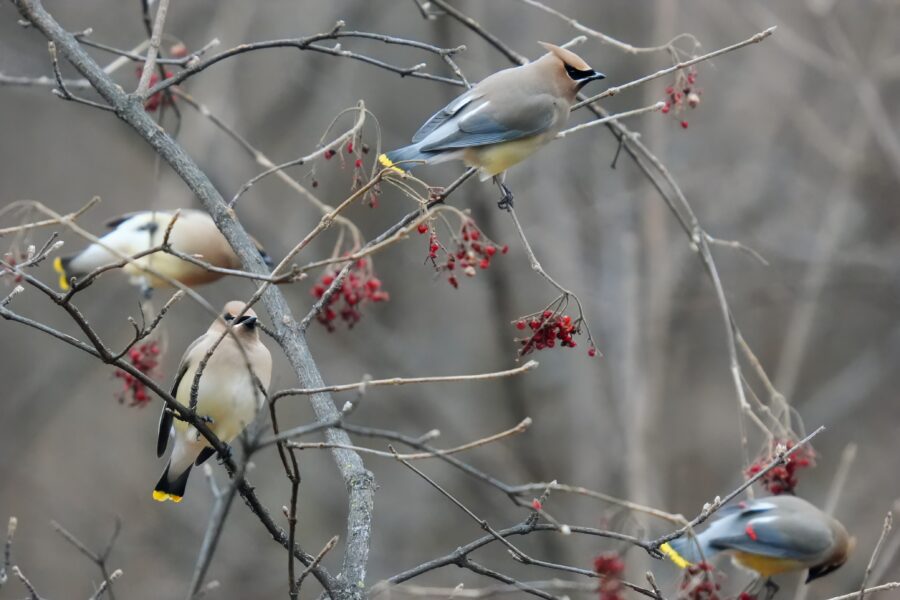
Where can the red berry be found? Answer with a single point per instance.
(520, 325)
(349, 147)
(504, 249)
(485, 263)
(665, 109)
(490, 250)
(329, 153)
(684, 124)
(536, 504)
(592, 352)
(423, 228)
(358, 163)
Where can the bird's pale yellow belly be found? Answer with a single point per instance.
(225, 398)
(493, 160)
(766, 565)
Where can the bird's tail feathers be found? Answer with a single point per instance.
(61, 266)
(171, 488)
(401, 159)
(685, 551)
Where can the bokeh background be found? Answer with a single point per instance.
(794, 151)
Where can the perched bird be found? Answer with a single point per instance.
(769, 536)
(502, 120)
(194, 233)
(227, 396)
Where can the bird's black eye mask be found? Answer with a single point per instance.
(247, 321)
(583, 77)
(577, 74)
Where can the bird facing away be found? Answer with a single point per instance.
(770, 536)
(194, 233)
(502, 120)
(228, 395)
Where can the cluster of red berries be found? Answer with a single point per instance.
(358, 287)
(548, 329)
(159, 98)
(783, 478)
(473, 249)
(144, 358)
(682, 94)
(611, 566)
(355, 151)
(699, 582)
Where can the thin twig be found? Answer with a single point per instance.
(325, 550)
(7, 549)
(885, 530)
(32, 593)
(607, 39)
(61, 90)
(520, 428)
(528, 366)
(221, 507)
(894, 585)
(106, 584)
(755, 39)
(622, 115)
(153, 50)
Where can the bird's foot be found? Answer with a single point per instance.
(206, 419)
(506, 202)
(226, 455)
(771, 589)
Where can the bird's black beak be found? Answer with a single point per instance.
(247, 321)
(594, 76)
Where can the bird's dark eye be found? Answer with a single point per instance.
(228, 317)
(577, 74)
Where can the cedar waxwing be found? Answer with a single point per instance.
(194, 233)
(502, 120)
(227, 395)
(770, 535)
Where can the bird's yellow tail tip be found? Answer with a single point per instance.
(387, 162)
(676, 558)
(63, 278)
(163, 496)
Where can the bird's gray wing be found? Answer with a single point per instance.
(441, 116)
(779, 536)
(166, 418)
(481, 124)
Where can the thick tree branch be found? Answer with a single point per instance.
(129, 108)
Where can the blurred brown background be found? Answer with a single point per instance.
(793, 151)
